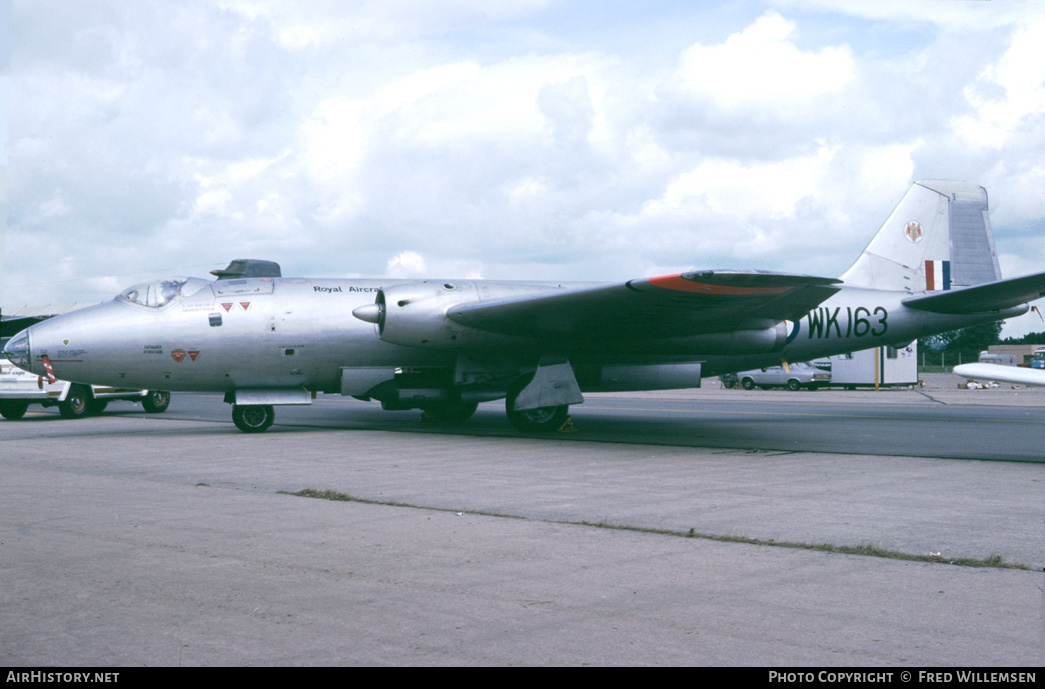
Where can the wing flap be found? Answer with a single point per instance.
(992, 296)
(668, 306)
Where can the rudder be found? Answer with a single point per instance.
(937, 238)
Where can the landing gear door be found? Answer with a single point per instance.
(554, 384)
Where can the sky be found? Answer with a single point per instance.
(517, 139)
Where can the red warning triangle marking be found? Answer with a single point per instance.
(178, 355)
(245, 305)
(227, 305)
(193, 353)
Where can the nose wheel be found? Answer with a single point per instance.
(253, 418)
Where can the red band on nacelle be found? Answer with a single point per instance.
(680, 284)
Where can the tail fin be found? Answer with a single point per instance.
(938, 237)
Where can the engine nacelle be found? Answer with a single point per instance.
(414, 314)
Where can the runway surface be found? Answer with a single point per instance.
(134, 539)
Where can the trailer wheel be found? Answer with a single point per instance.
(76, 403)
(13, 409)
(156, 401)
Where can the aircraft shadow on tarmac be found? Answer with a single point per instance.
(747, 425)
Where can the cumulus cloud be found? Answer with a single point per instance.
(523, 139)
(762, 68)
(1009, 94)
(407, 264)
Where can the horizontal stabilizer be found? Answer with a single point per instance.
(992, 296)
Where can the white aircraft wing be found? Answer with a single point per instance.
(668, 306)
(1004, 374)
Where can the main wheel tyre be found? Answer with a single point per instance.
(253, 418)
(541, 420)
(748, 384)
(156, 401)
(76, 403)
(13, 409)
(793, 385)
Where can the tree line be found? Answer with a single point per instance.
(965, 344)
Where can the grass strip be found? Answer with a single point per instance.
(993, 561)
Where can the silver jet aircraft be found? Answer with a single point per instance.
(444, 346)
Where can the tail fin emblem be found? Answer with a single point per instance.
(913, 232)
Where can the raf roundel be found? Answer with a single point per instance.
(913, 231)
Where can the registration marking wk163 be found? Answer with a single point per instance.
(825, 322)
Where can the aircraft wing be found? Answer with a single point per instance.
(668, 306)
(991, 296)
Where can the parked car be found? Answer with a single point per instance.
(794, 377)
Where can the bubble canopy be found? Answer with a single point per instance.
(159, 293)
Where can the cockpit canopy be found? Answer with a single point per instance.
(161, 292)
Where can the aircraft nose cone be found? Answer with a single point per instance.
(17, 351)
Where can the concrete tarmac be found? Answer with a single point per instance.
(130, 540)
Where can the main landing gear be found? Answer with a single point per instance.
(253, 418)
(540, 420)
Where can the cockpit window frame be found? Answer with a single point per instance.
(159, 294)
